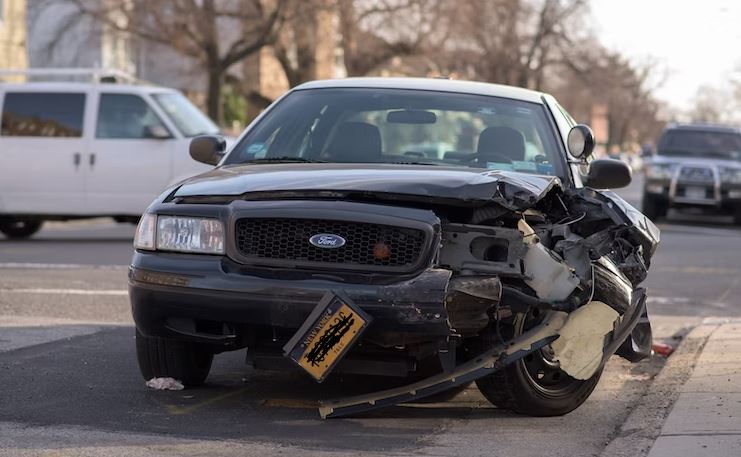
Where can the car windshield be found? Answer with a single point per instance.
(701, 143)
(187, 118)
(403, 127)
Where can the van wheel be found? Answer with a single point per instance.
(17, 229)
(534, 385)
(185, 361)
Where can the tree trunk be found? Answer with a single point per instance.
(213, 97)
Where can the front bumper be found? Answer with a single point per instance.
(171, 294)
(709, 193)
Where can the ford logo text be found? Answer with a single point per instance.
(327, 240)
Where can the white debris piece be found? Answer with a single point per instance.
(579, 346)
(549, 276)
(165, 384)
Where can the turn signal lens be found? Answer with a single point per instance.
(144, 237)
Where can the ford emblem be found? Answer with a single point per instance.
(327, 240)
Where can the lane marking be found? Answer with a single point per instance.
(58, 266)
(729, 289)
(113, 292)
(180, 410)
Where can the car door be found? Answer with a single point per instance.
(41, 151)
(130, 155)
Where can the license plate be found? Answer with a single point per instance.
(326, 335)
(695, 192)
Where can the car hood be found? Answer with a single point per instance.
(511, 189)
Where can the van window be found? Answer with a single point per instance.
(125, 116)
(39, 114)
(187, 118)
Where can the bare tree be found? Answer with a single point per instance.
(374, 32)
(215, 33)
(511, 41)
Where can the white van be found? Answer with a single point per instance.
(88, 149)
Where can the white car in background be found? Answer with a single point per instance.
(73, 150)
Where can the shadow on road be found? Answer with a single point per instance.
(93, 381)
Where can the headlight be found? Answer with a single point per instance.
(660, 171)
(144, 237)
(190, 234)
(730, 175)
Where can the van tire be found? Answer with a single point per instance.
(17, 229)
(185, 361)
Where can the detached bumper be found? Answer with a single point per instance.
(171, 293)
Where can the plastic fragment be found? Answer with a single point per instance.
(662, 349)
(165, 384)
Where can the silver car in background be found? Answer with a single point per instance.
(697, 167)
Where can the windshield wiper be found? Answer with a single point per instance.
(416, 163)
(285, 160)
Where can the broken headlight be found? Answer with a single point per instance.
(662, 171)
(730, 175)
(181, 234)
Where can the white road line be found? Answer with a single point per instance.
(57, 266)
(113, 292)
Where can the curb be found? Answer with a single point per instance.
(637, 434)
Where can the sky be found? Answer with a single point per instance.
(695, 43)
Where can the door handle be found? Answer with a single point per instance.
(76, 159)
(92, 160)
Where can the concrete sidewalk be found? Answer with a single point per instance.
(706, 417)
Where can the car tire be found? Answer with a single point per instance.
(187, 362)
(653, 208)
(737, 216)
(518, 387)
(17, 229)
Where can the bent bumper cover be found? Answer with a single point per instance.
(163, 286)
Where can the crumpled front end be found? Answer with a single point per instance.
(577, 256)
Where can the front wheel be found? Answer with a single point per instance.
(653, 208)
(187, 362)
(534, 385)
(18, 228)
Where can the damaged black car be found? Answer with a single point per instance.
(443, 232)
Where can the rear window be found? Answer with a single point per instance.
(39, 114)
(704, 143)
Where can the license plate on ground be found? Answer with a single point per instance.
(695, 192)
(326, 335)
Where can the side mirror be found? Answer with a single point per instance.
(580, 141)
(157, 132)
(608, 174)
(208, 149)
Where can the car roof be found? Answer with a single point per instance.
(431, 84)
(82, 86)
(700, 127)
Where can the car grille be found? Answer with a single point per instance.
(367, 246)
(696, 174)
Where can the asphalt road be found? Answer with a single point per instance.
(70, 382)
